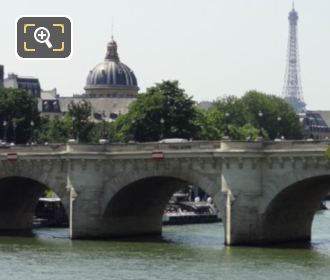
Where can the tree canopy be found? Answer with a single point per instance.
(75, 124)
(18, 115)
(163, 111)
(253, 114)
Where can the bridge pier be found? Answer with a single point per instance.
(242, 222)
(85, 181)
(242, 185)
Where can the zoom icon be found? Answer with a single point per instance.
(43, 37)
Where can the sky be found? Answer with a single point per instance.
(213, 47)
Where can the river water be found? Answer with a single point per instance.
(184, 252)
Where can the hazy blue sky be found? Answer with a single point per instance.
(213, 47)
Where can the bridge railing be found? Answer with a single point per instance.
(150, 146)
(5, 149)
(274, 145)
(297, 145)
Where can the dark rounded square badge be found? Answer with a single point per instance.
(44, 37)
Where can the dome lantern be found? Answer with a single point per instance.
(112, 53)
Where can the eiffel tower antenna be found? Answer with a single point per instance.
(112, 30)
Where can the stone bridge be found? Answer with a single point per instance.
(266, 192)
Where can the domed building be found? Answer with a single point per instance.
(110, 87)
(111, 78)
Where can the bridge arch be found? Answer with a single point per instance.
(288, 217)
(135, 205)
(19, 196)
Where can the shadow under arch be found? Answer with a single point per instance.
(18, 200)
(137, 208)
(289, 216)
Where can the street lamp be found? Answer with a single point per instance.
(133, 130)
(4, 123)
(162, 121)
(279, 118)
(226, 125)
(14, 130)
(103, 129)
(73, 125)
(260, 114)
(32, 130)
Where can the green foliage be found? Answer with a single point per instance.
(101, 130)
(163, 101)
(240, 118)
(19, 109)
(230, 117)
(56, 130)
(49, 194)
(79, 116)
(327, 153)
(74, 124)
(207, 131)
(272, 107)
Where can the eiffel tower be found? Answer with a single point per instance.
(292, 90)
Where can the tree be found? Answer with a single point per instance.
(277, 117)
(164, 111)
(55, 130)
(230, 117)
(74, 124)
(254, 114)
(80, 114)
(19, 111)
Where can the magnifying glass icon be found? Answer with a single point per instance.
(42, 35)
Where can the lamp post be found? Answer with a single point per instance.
(103, 129)
(103, 124)
(133, 130)
(14, 130)
(260, 115)
(4, 123)
(279, 118)
(162, 121)
(73, 121)
(32, 130)
(226, 125)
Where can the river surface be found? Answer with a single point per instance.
(184, 252)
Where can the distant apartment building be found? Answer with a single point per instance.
(30, 84)
(317, 124)
(48, 101)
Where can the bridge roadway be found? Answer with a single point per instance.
(267, 192)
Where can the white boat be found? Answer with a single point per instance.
(190, 213)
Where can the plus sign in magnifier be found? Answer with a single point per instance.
(42, 35)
